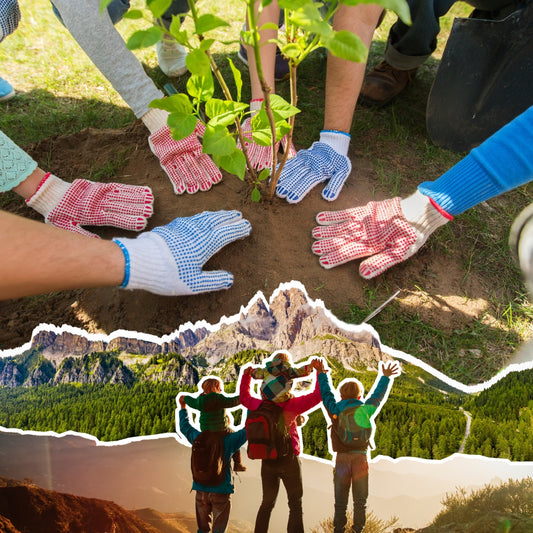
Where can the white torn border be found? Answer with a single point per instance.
(352, 328)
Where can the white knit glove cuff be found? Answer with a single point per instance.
(150, 265)
(48, 195)
(338, 140)
(423, 216)
(155, 119)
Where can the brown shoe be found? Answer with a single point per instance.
(239, 467)
(383, 83)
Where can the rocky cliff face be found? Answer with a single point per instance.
(289, 322)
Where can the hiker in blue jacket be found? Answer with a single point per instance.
(351, 462)
(213, 503)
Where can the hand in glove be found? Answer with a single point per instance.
(187, 167)
(261, 156)
(169, 259)
(388, 232)
(318, 164)
(84, 203)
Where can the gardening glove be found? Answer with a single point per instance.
(187, 167)
(168, 260)
(389, 232)
(84, 203)
(261, 156)
(310, 167)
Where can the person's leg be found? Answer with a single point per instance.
(327, 159)
(407, 48)
(221, 506)
(203, 511)
(359, 474)
(292, 480)
(270, 482)
(341, 484)
(116, 10)
(170, 54)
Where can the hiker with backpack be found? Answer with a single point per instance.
(212, 404)
(351, 437)
(210, 465)
(273, 437)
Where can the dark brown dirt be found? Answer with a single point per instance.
(278, 251)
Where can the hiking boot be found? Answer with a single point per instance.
(6, 91)
(383, 83)
(171, 58)
(239, 467)
(281, 69)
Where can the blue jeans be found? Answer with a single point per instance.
(287, 470)
(117, 8)
(215, 506)
(351, 470)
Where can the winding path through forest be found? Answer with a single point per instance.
(467, 429)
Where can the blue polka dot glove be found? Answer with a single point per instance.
(310, 167)
(169, 259)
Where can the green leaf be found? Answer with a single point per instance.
(310, 19)
(261, 133)
(181, 126)
(256, 195)
(218, 140)
(281, 108)
(400, 7)
(208, 22)
(206, 44)
(247, 37)
(265, 3)
(291, 50)
(177, 103)
(104, 4)
(144, 38)
(176, 31)
(269, 26)
(347, 45)
(237, 76)
(294, 5)
(198, 63)
(234, 163)
(264, 174)
(223, 112)
(158, 7)
(201, 87)
(133, 14)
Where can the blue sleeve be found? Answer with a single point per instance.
(9, 17)
(504, 161)
(236, 440)
(379, 392)
(186, 429)
(328, 398)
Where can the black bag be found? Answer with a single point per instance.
(207, 458)
(353, 426)
(266, 432)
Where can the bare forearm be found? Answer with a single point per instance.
(345, 78)
(40, 258)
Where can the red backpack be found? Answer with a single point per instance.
(266, 432)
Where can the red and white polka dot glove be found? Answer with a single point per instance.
(183, 161)
(389, 232)
(261, 156)
(84, 203)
